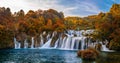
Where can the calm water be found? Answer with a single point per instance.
(51, 56)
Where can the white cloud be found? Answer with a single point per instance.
(26, 5)
(68, 11)
(89, 7)
(14, 5)
(80, 7)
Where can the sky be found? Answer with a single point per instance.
(79, 8)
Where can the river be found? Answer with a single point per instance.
(52, 56)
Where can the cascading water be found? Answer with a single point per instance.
(71, 42)
(76, 41)
(47, 44)
(56, 43)
(104, 48)
(48, 36)
(63, 43)
(17, 44)
(68, 41)
(25, 44)
(41, 41)
(83, 43)
(32, 45)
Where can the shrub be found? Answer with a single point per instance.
(98, 46)
(88, 54)
(114, 46)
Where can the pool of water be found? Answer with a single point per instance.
(51, 56)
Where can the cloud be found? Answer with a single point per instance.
(69, 7)
(86, 8)
(16, 5)
(26, 5)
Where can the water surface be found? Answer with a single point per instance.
(38, 56)
(51, 56)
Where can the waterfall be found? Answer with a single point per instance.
(72, 40)
(82, 43)
(32, 45)
(104, 48)
(25, 44)
(17, 44)
(60, 42)
(76, 41)
(76, 44)
(78, 33)
(41, 41)
(54, 33)
(67, 44)
(63, 43)
(48, 36)
(47, 44)
(72, 44)
(56, 43)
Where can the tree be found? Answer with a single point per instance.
(108, 27)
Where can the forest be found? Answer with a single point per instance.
(25, 25)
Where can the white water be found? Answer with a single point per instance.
(48, 36)
(72, 40)
(47, 44)
(56, 43)
(83, 43)
(25, 44)
(104, 48)
(63, 43)
(67, 43)
(41, 42)
(17, 44)
(32, 45)
(76, 41)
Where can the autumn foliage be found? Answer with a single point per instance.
(20, 25)
(30, 24)
(108, 27)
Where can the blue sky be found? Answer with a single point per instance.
(69, 7)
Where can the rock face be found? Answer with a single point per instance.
(88, 54)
